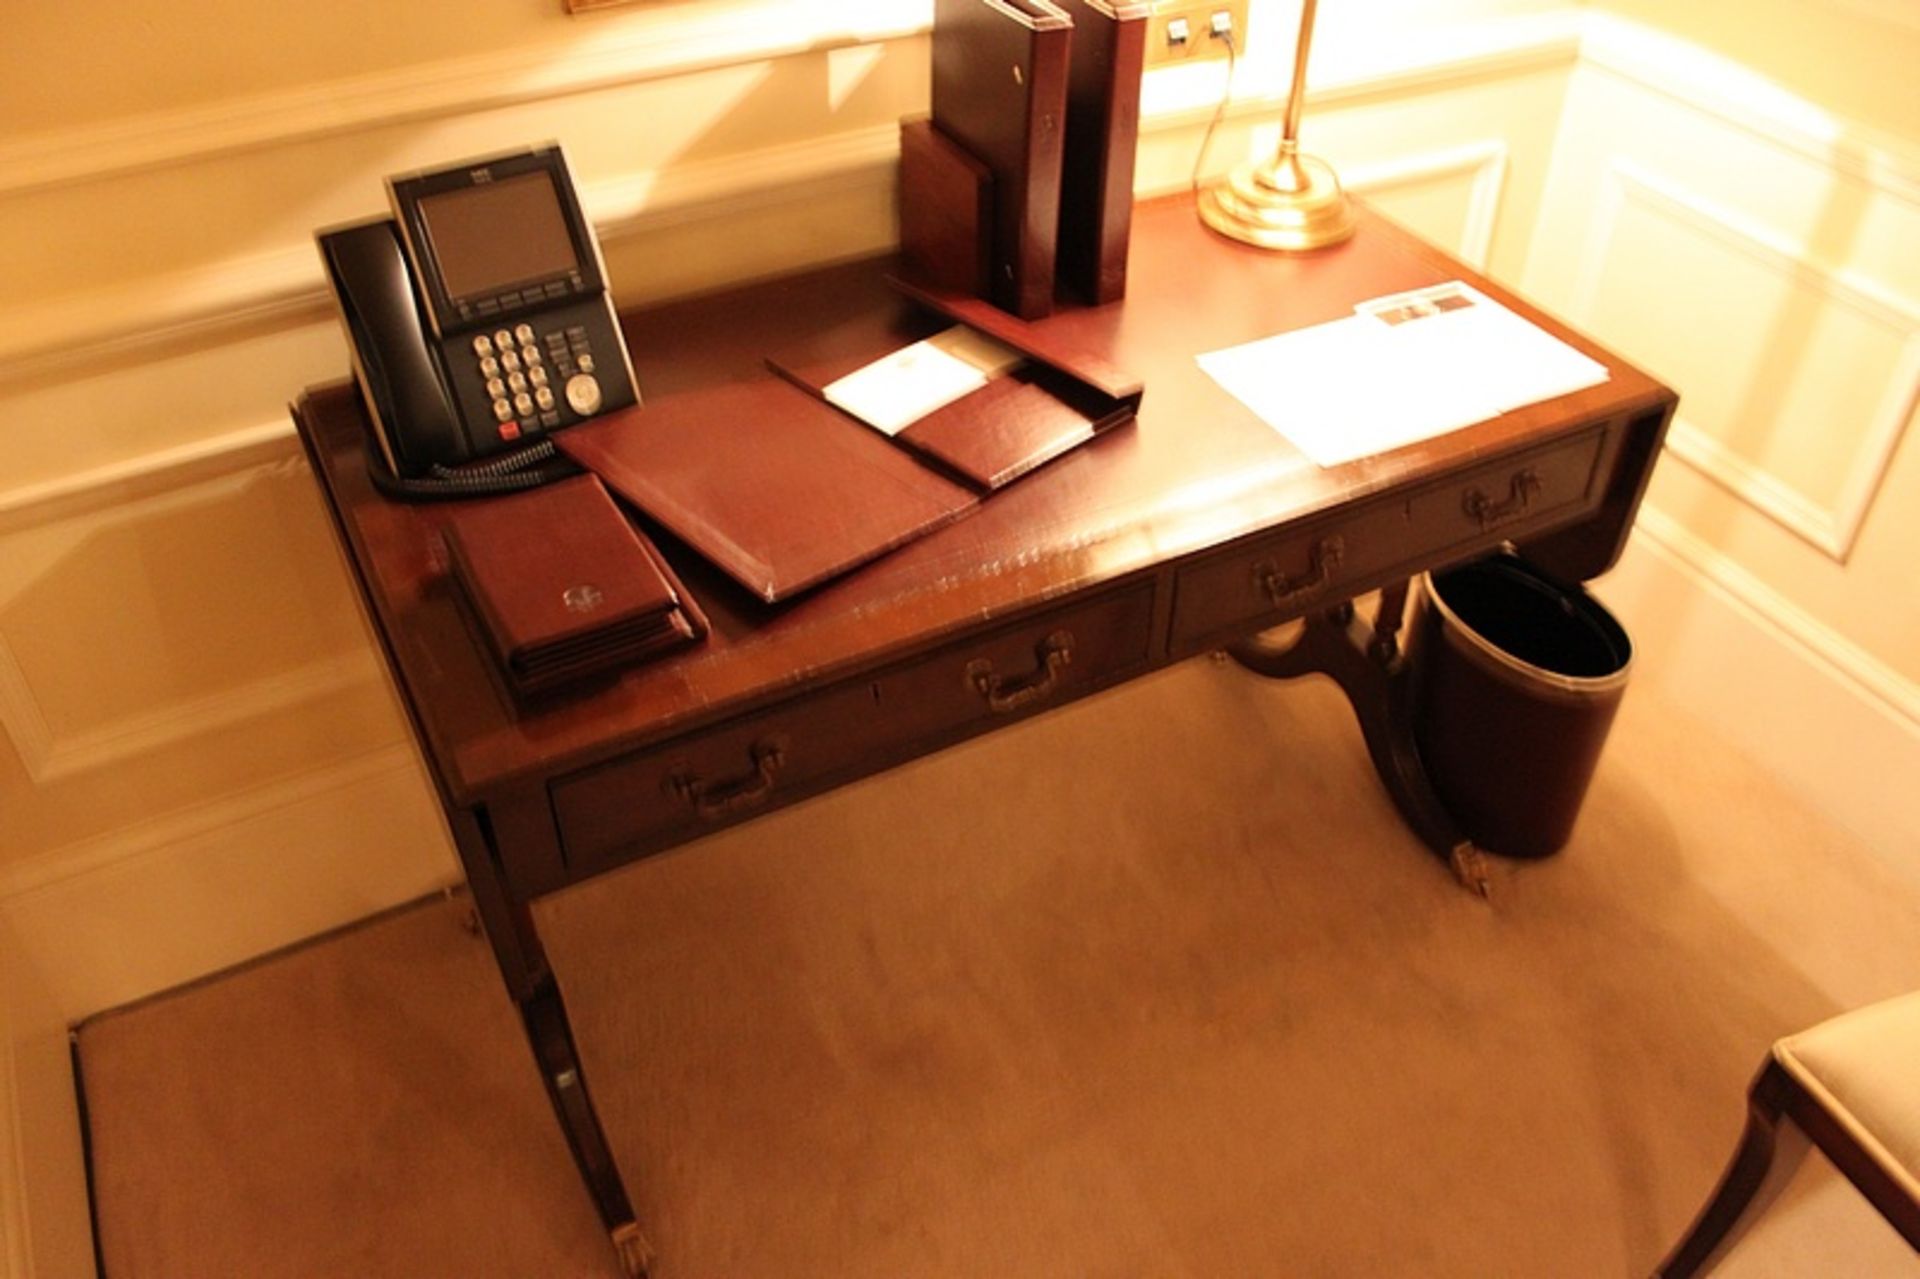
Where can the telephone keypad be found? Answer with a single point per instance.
(534, 379)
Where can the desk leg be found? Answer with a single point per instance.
(546, 1021)
(523, 963)
(1366, 662)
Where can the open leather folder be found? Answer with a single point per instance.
(784, 491)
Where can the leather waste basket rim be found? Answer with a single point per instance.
(1478, 646)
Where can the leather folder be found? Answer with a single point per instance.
(1000, 91)
(1103, 126)
(778, 489)
(1020, 420)
(564, 586)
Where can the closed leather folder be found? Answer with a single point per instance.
(1103, 126)
(1000, 91)
(778, 489)
(564, 586)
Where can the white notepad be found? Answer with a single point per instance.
(899, 389)
(1401, 369)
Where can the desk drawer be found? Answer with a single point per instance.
(821, 738)
(1507, 497)
(1292, 572)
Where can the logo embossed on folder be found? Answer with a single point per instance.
(583, 598)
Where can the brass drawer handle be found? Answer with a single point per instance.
(1003, 694)
(1282, 590)
(1521, 490)
(716, 799)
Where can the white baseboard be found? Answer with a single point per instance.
(15, 1247)
(1831, 722)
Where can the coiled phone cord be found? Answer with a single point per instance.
(536, 464)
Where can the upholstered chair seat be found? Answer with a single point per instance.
(1850, 1086)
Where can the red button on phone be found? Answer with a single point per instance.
(509, 430)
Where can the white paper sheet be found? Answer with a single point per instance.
(1401, 369)
(898, 390)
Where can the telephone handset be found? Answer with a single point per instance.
(480, 322)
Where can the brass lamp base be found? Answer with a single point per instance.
(1295, 203)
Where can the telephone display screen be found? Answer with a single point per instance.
(492, 237)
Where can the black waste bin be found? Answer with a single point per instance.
(1516, 678)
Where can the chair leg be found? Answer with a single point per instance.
(1770, 1150)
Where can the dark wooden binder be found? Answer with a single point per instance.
(946, 211)
(1000, 91)
(1103, 127)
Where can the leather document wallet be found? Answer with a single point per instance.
(1000, 90)
(778, 489)
(1020, 419)
(1103, 125)
(564, 586)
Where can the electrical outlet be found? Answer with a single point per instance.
(1195, 30)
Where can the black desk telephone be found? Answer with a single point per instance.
(479, 321)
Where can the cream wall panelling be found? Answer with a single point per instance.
(1900, 13)
(1837, 657)
(702, 37)
(1696, 78)
(146, 908)
(1832, 527)
(232, 297)
(1834, 724)
(49, 755)
(1483, 164)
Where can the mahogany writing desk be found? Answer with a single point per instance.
(1194, 528)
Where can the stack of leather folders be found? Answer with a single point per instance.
(564, 586)
(1020, 183)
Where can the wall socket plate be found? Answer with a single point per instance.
(1196, 17)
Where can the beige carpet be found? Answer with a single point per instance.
(1154, 986)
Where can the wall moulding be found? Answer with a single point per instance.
(700, 38)
(1834, 526)
(1483, 163)
(50, 754)
(1707, 83)
(1865, 676)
